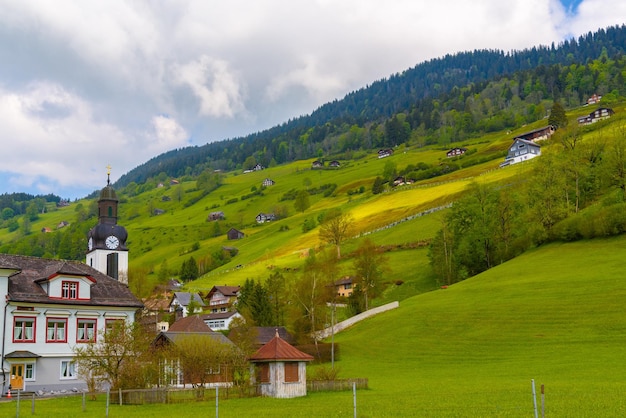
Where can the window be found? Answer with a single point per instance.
(69, 290)
(24, 330)
(56, 330)
(29, 371)
(264, 373)
(86, 331)
(113, 323)
(68, 369)
(291, 372)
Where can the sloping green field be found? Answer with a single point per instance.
(555, 314)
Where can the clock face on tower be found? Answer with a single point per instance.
(90, 244)
(112, 242)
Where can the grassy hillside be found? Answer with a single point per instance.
(555, 315)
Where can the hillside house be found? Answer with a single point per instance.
(193, 327)
(46, 229)
(595, 116)
(344, 287)
(521, 150)
(220, 321)
(183, 300)
(51, 307)
(540, 134)
(382, 153)
(216, 216)
(334, 164)
(234, 234)
(265, 217)
(455, 152)
(268, 182)
(62, 224)
(594, 99)
(222, 298)
(280, 369)
(317, 164)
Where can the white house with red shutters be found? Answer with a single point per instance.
(53, 306)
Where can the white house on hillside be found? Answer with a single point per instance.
(521, 150)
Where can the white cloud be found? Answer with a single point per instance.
(214, 84)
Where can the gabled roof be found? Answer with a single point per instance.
(229, 291)
(265, 334)
(527, 142)
(219, 315)
(185, 297)
(191, 323)
(279, 350)
(24, 284)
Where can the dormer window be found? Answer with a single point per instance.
(69, 290)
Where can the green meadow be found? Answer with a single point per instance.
(555, 314)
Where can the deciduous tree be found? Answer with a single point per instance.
(335, 230)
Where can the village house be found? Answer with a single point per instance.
(268, 182)
(53, 306)
(265, 217)
(521, 150)
(455, 152)
(344, 287)
(222, 298)
(220, 321)
(595, 116)
(334, 164)
(594, 99)
(317, 164)
(193, 327)
(234, 234)
(62, 224)
(182, 300)
(216, 216)
(280, 369)
(540, 134)
(382, 153)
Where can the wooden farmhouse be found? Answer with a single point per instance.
(455, 152)
(281, 369)
(234, 234)
(222, 298)
(540, 134)
(595, 116)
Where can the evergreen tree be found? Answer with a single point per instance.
(557, 116)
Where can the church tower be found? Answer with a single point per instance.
(106, 245)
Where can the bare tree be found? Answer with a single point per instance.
(370, 265)
(336, 229)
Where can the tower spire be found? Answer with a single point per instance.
(108, 167)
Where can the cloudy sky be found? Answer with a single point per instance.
(84, 84)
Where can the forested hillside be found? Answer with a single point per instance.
(443, 100)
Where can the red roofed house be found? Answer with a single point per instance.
(281, 369)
